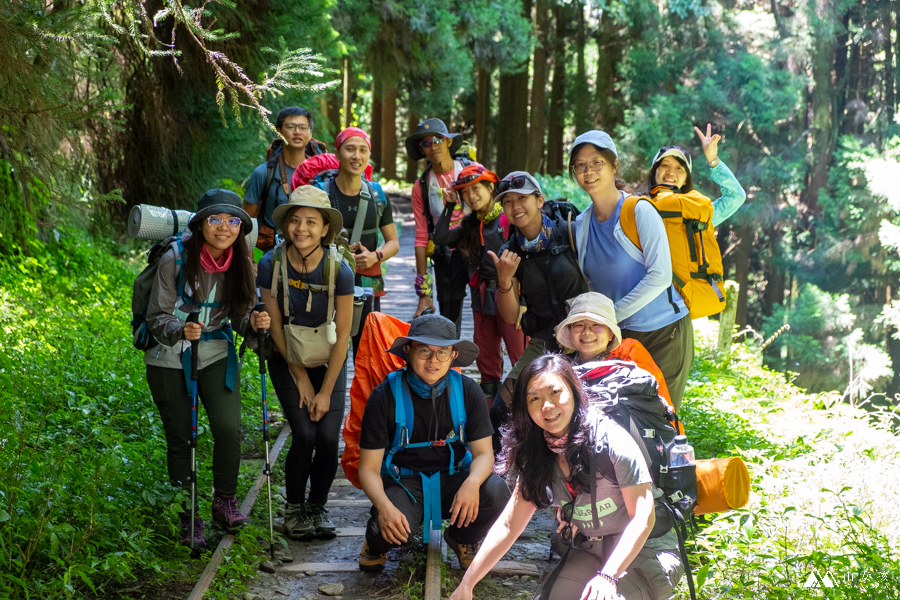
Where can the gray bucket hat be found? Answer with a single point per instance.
(218, 201)
(435, 330)
(429, 128)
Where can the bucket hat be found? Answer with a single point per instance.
(519, 182)
(429, 128)
(218, 201)
(595, 307)
(596, 137)
(312, 197)
(435, 330)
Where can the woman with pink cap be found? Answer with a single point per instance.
(483, 230)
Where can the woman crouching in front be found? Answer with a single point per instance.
(557, 446)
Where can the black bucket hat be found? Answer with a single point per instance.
(218, 201)
(435, 330)
(429, 128)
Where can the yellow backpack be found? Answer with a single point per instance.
(696, 259)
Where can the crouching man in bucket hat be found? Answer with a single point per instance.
(425, 448)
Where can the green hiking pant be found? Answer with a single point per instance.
(672, 349)
(223, 410)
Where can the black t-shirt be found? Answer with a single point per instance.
(378, 426)
(349, 205)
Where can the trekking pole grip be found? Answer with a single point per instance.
(261, 338)
(194, 317)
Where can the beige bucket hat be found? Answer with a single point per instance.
(312, 197)
(595, 307)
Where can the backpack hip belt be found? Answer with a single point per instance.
(403, 420)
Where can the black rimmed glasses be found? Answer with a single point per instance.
(292, 127)
(215, 222)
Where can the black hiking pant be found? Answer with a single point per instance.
(492, 498)
(313, 455)
(223, 409)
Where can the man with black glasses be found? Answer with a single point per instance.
(269, 185)
(431, 192)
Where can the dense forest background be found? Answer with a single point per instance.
(105, 104)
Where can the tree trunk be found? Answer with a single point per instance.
(346, 117)
(888, 64)
(483, 116)
(512, 137)
(334, 114)
(582, 119)
(609, 49)
(412, 166)
(536, 126)
(556, 124)
(389, 132)
(741, 257)
(376, 131)
(822, 133)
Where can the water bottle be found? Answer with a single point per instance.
(682, 453)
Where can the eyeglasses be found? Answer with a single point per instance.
(431, 141)
(233, 222)
(425, 353)
(579, 327)
(664, 149)
(516, 183)
(594, 165)
(291, 127)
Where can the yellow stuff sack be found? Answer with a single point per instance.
(696, 259)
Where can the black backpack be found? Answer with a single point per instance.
(273, 152)
(143, 284)
(629, 395)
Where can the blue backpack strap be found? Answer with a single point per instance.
(226, 333)
(458, 414)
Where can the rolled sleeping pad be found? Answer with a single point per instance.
(148, 222)
(722, 484)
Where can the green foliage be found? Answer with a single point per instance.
(560, 186)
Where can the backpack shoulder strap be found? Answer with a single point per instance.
(426, 204)
(628, 221)
(332, 266)
(365, 196)
(457, 404)
(380, 199)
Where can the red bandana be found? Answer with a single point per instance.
(211, 265)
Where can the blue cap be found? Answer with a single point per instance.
(596, 137)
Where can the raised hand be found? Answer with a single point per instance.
(709, 142)
(507, 265)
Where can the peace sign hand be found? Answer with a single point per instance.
(710, 143)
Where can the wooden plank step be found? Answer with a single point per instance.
(433, 567)
(364, 503)
(514, 567)
(342, 566)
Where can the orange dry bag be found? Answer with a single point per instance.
(722, 484)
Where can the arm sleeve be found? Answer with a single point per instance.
(478, 422)
(164, 325)
(733, 195)
(657, 262)
(374, 434)
(255, 184)
(442, 232)
(421, 222)
(627, 458)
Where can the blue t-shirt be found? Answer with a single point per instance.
(343, 286)
(276, 196)
(613, 273)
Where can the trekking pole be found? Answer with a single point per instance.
(261, 342)
(194, 317)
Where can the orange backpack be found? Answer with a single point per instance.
(697, 270)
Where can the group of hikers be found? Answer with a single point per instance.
(574, 297)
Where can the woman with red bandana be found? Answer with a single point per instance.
(484, 229)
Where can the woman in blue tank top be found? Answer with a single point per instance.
(638, 280)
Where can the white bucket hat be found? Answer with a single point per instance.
(595, 307)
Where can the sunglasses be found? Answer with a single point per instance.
(664, 149)
(468, 179)
(566, 511)
(516, 183)
(429, 142)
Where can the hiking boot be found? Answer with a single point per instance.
(225, 512)
(319, 516)
(297, 524)
(369, 561)
(199, 526)
(465, 553)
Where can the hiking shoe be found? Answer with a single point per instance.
(225, 512)
(199, 526)
(465, 553)
(297, 524)
(319, 516)
(369, 561)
